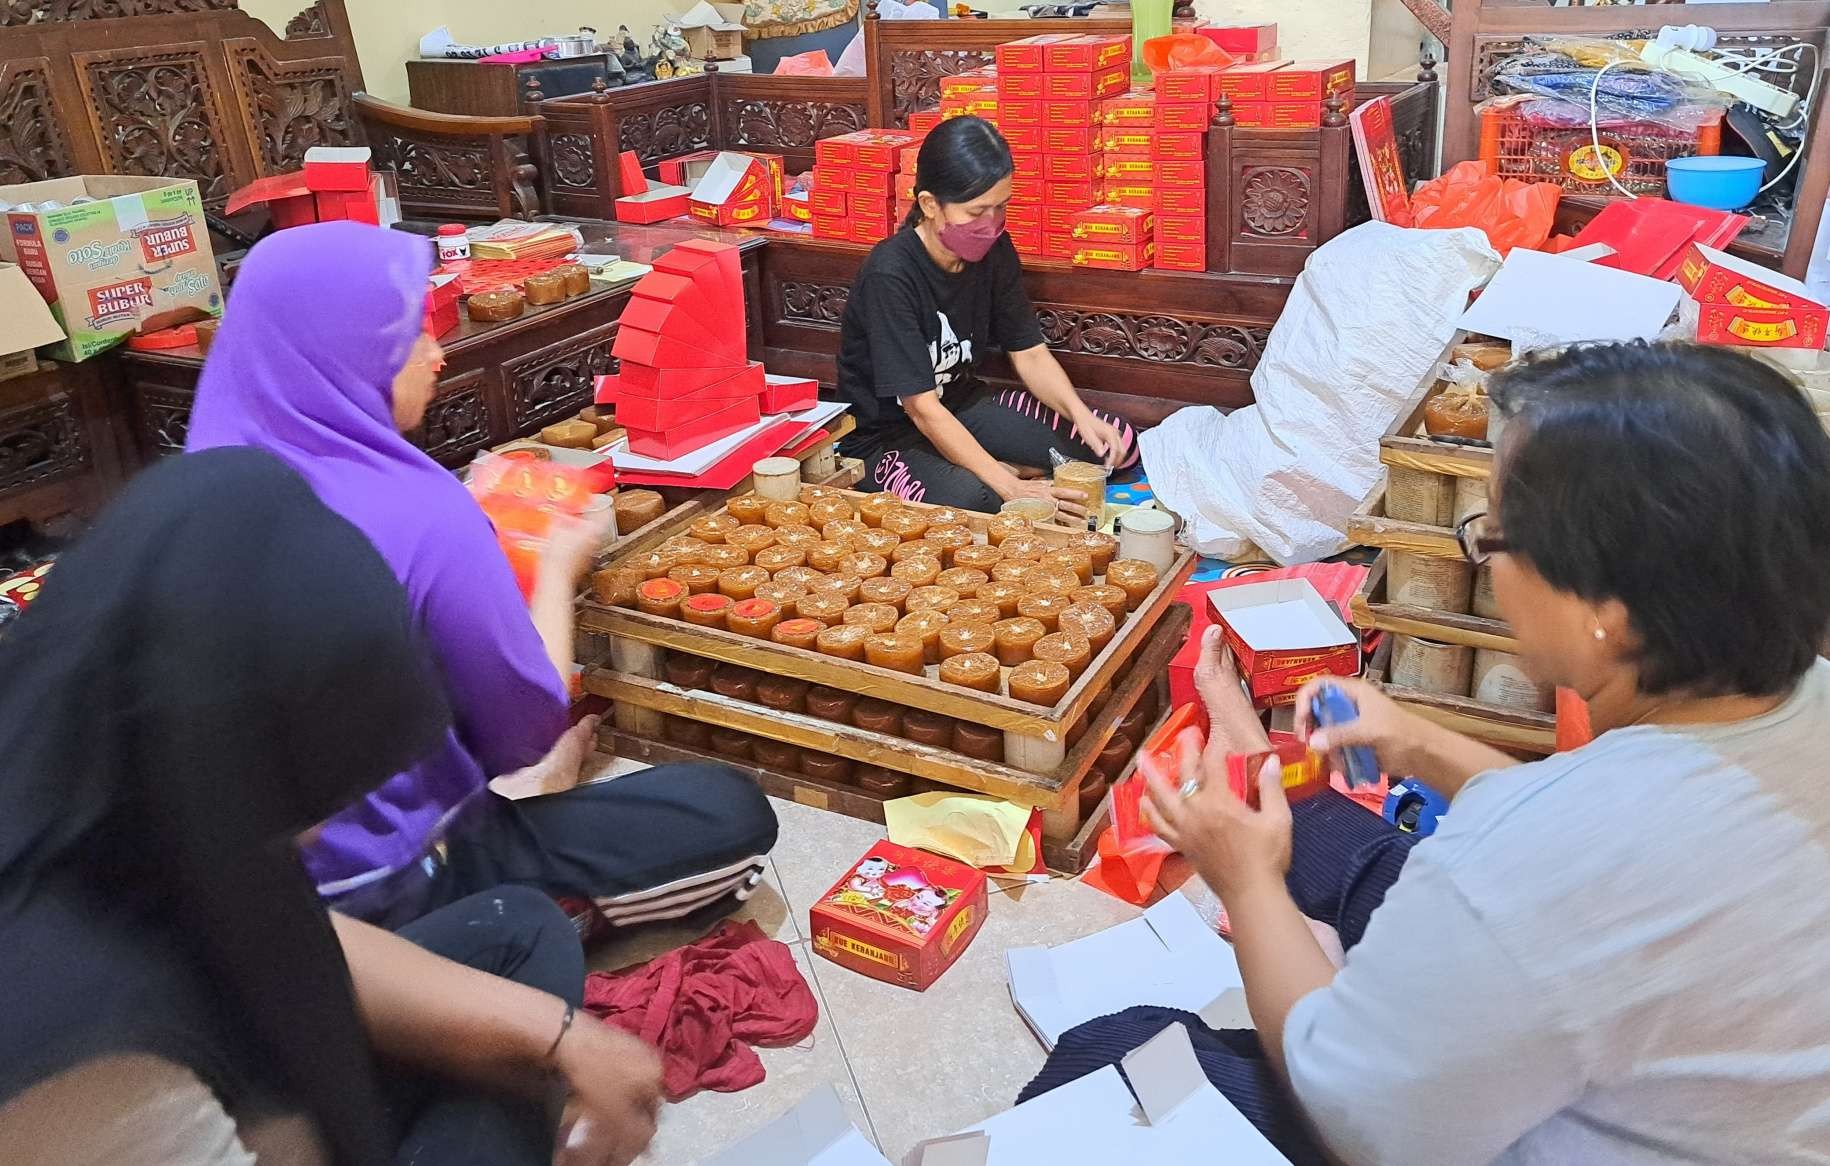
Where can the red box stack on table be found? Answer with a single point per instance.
(854, 184)
(1184, 107)
(1050, 88)
(1286, 95)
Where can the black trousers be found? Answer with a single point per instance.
(521, 935)
(1342, 862)
(664, 843)
(1012, 425)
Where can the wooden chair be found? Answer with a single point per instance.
(456, 167)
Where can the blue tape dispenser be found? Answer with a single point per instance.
(1332, 706)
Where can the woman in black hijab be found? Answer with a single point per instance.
(220, 664)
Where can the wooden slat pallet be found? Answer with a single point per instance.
(1035, 737)
(1371, 610)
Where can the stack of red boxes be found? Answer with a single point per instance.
(684, 380)
(1050, 88)
(1286, 95)
(972, 94)
(854, 184)
(1119, 238)
(1184, 106)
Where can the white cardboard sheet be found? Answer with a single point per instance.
(814, 1133)
(1539, 300)
(705, 457)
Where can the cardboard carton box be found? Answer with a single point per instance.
(1129, 193)
(25, 323)
(1284, 634)
(1019, 112)
(1179, 86)
(825, 227)
(825, 199)
(1710, 276)
(687, 169)
(1179, 147)
(734, 190)
(1131, 140)
(659, 412)
(1182, 172)
(961, 84)
(711, 35)
(900, 915)
(1024, 139)
(1058, 245)
(1026, 55)
(1020, 86)
(1113, 256)
(1291, 115)
(1092, 86)
(1122, 170)
(1252, 114)
(1183, 117)
(337, 168)
(656, 204)
(1310, 80)
(921, 121)
(1180, 229)
(1248, 82)
(1087, 53)
(1070, 111)
(1081, 167)
(1241, 39)
(1073, 195)
(1189, 201)
(789, 394)
(1181, 256)
(136, 258)
(1800, 326)
(1106, 223)
(1135, 107)
(1026, 188)
(1067, 139)
(1058, 219)
(442, 295)
(1022, 215)
(864, 149)
(1027, 239)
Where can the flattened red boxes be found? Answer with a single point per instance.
(1026, 55)
(789, 394)
(1114, 224)
(640, 411)
(1113, 256)
(734, 190)
(697, 433)
(1248, 82)
(1241, 39)
(1086, 86)
(1087, 53)
(1284, 634)
(900, 915)
(865, 149)
(1310, 80)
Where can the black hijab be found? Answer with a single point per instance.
(219, 664)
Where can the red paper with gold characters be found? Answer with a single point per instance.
(900, 915)
(1376, 143)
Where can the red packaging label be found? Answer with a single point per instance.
(1124, 170)
(1113, 256)
(1186, 85)
(1022, 86)
(1086, 86)
(1252, 114)
(1023, 216)
(1141, 196)
(1069, 167)
(1113, 224)
(899, 915)
(1180, 230)
(1293, 115)
(1127, 140)
(1068, 139)
(1027, 240)
(1069, 112)
(1248, 82)
(1181, 200)
(1802, 326)
(1135, 108)
(958, 84)
(1086, 54)
(921, 121)
(1187, 147)
(1059, 220)
(1310, 80)
(1182, 256)
(118, 303)
(1019, 111)
(1183, 117)
(1025, 188)
(828, 200)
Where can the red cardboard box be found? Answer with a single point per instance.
(1710, 276)
(1241, 39)
(900, 915)
(789, 394)
(1087, 53)
(1070, 112)
(1059, 220)
(1182, 172)
(1067, 139)
(1020, 86)
(337, 168)
(654, 205)
(865, 149)
(1248, 82)
(686, 169)
(1085, 86)
(830, 228)
(908, 158)
(1026, 55)
(1182, 256)
(356, 206)
(1181, 200)
(1183, 117)
(1070, 167)
(1024, 215)
(869, 205)
(1026, 166)
(869, 231)
(1797, 327)
(1126, 170)
(694, 434)
(1107, 223)
(1058, 246)
(1292, 115)
(1136, 107)
(442, 295)
(961, 84)
(826, 199)
(636, 410)
(1137, 195)
(1023, 139)
(905, 184)
(672, 384)
(1186, 85)
(1026, 239)
(736, 189)
(1179, 147)
(1072, 195)
(860, 181)
(921, 121)
(1180, 230)
(1026, 188)
(1132, 140)
(1310, 80)
(1252, 114)
(1113, 256)
(1283, 635)
(903, 208)
(1015, 112)
(970, 105)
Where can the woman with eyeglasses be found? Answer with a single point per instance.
(1619, 954)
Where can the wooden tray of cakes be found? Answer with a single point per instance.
(926, 607)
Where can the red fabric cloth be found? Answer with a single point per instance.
(704, 1005)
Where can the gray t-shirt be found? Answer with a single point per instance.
(1617, 955)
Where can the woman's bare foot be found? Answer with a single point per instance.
(1233, 723)
(558, 771)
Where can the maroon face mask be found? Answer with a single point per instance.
(972, 240)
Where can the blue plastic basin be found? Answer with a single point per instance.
(1720, 182)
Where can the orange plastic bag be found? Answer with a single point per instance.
(1512, 213)
(1184, 50)
(814, 63)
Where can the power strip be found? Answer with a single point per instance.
(1757, 93)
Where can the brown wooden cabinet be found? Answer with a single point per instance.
(493, 89)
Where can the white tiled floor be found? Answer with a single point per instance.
(909, 1065)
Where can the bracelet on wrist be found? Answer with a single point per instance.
(565, 1026)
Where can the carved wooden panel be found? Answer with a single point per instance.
(1154, 337)
(915, 76)
(291, 105)
(457, 420)
(556, 381)
(572, 163)
(309, 24)
(32, 146)
(442, 170)
(1274, 202)
(814, 303)
(155, 114)
(41, 441)
(665, 132)
(21, 12)
(164, 416)
(763, 124)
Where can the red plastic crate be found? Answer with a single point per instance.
(1531, 142)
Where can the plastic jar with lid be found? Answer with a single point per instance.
(453, 244)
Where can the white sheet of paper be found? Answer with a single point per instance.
(1552, 299)
(1169, 958)
(816, 1132)
(704, 458)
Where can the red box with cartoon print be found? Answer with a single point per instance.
(900, 915)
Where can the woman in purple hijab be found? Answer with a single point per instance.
(322, 362)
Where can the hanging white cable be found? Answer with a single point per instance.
(1802, 118)
(1595, 130)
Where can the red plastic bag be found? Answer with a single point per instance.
(1512, 213)
(813, 63)
(1184, 50)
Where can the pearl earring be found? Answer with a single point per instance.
(1600, 635)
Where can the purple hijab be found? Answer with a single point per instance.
(321, 319)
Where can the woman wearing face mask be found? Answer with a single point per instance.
(929, 303)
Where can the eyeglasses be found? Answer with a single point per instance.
(1478, 543)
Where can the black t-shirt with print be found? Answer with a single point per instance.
(910, 327)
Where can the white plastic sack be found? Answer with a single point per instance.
(1368, 318)
(851, 61)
